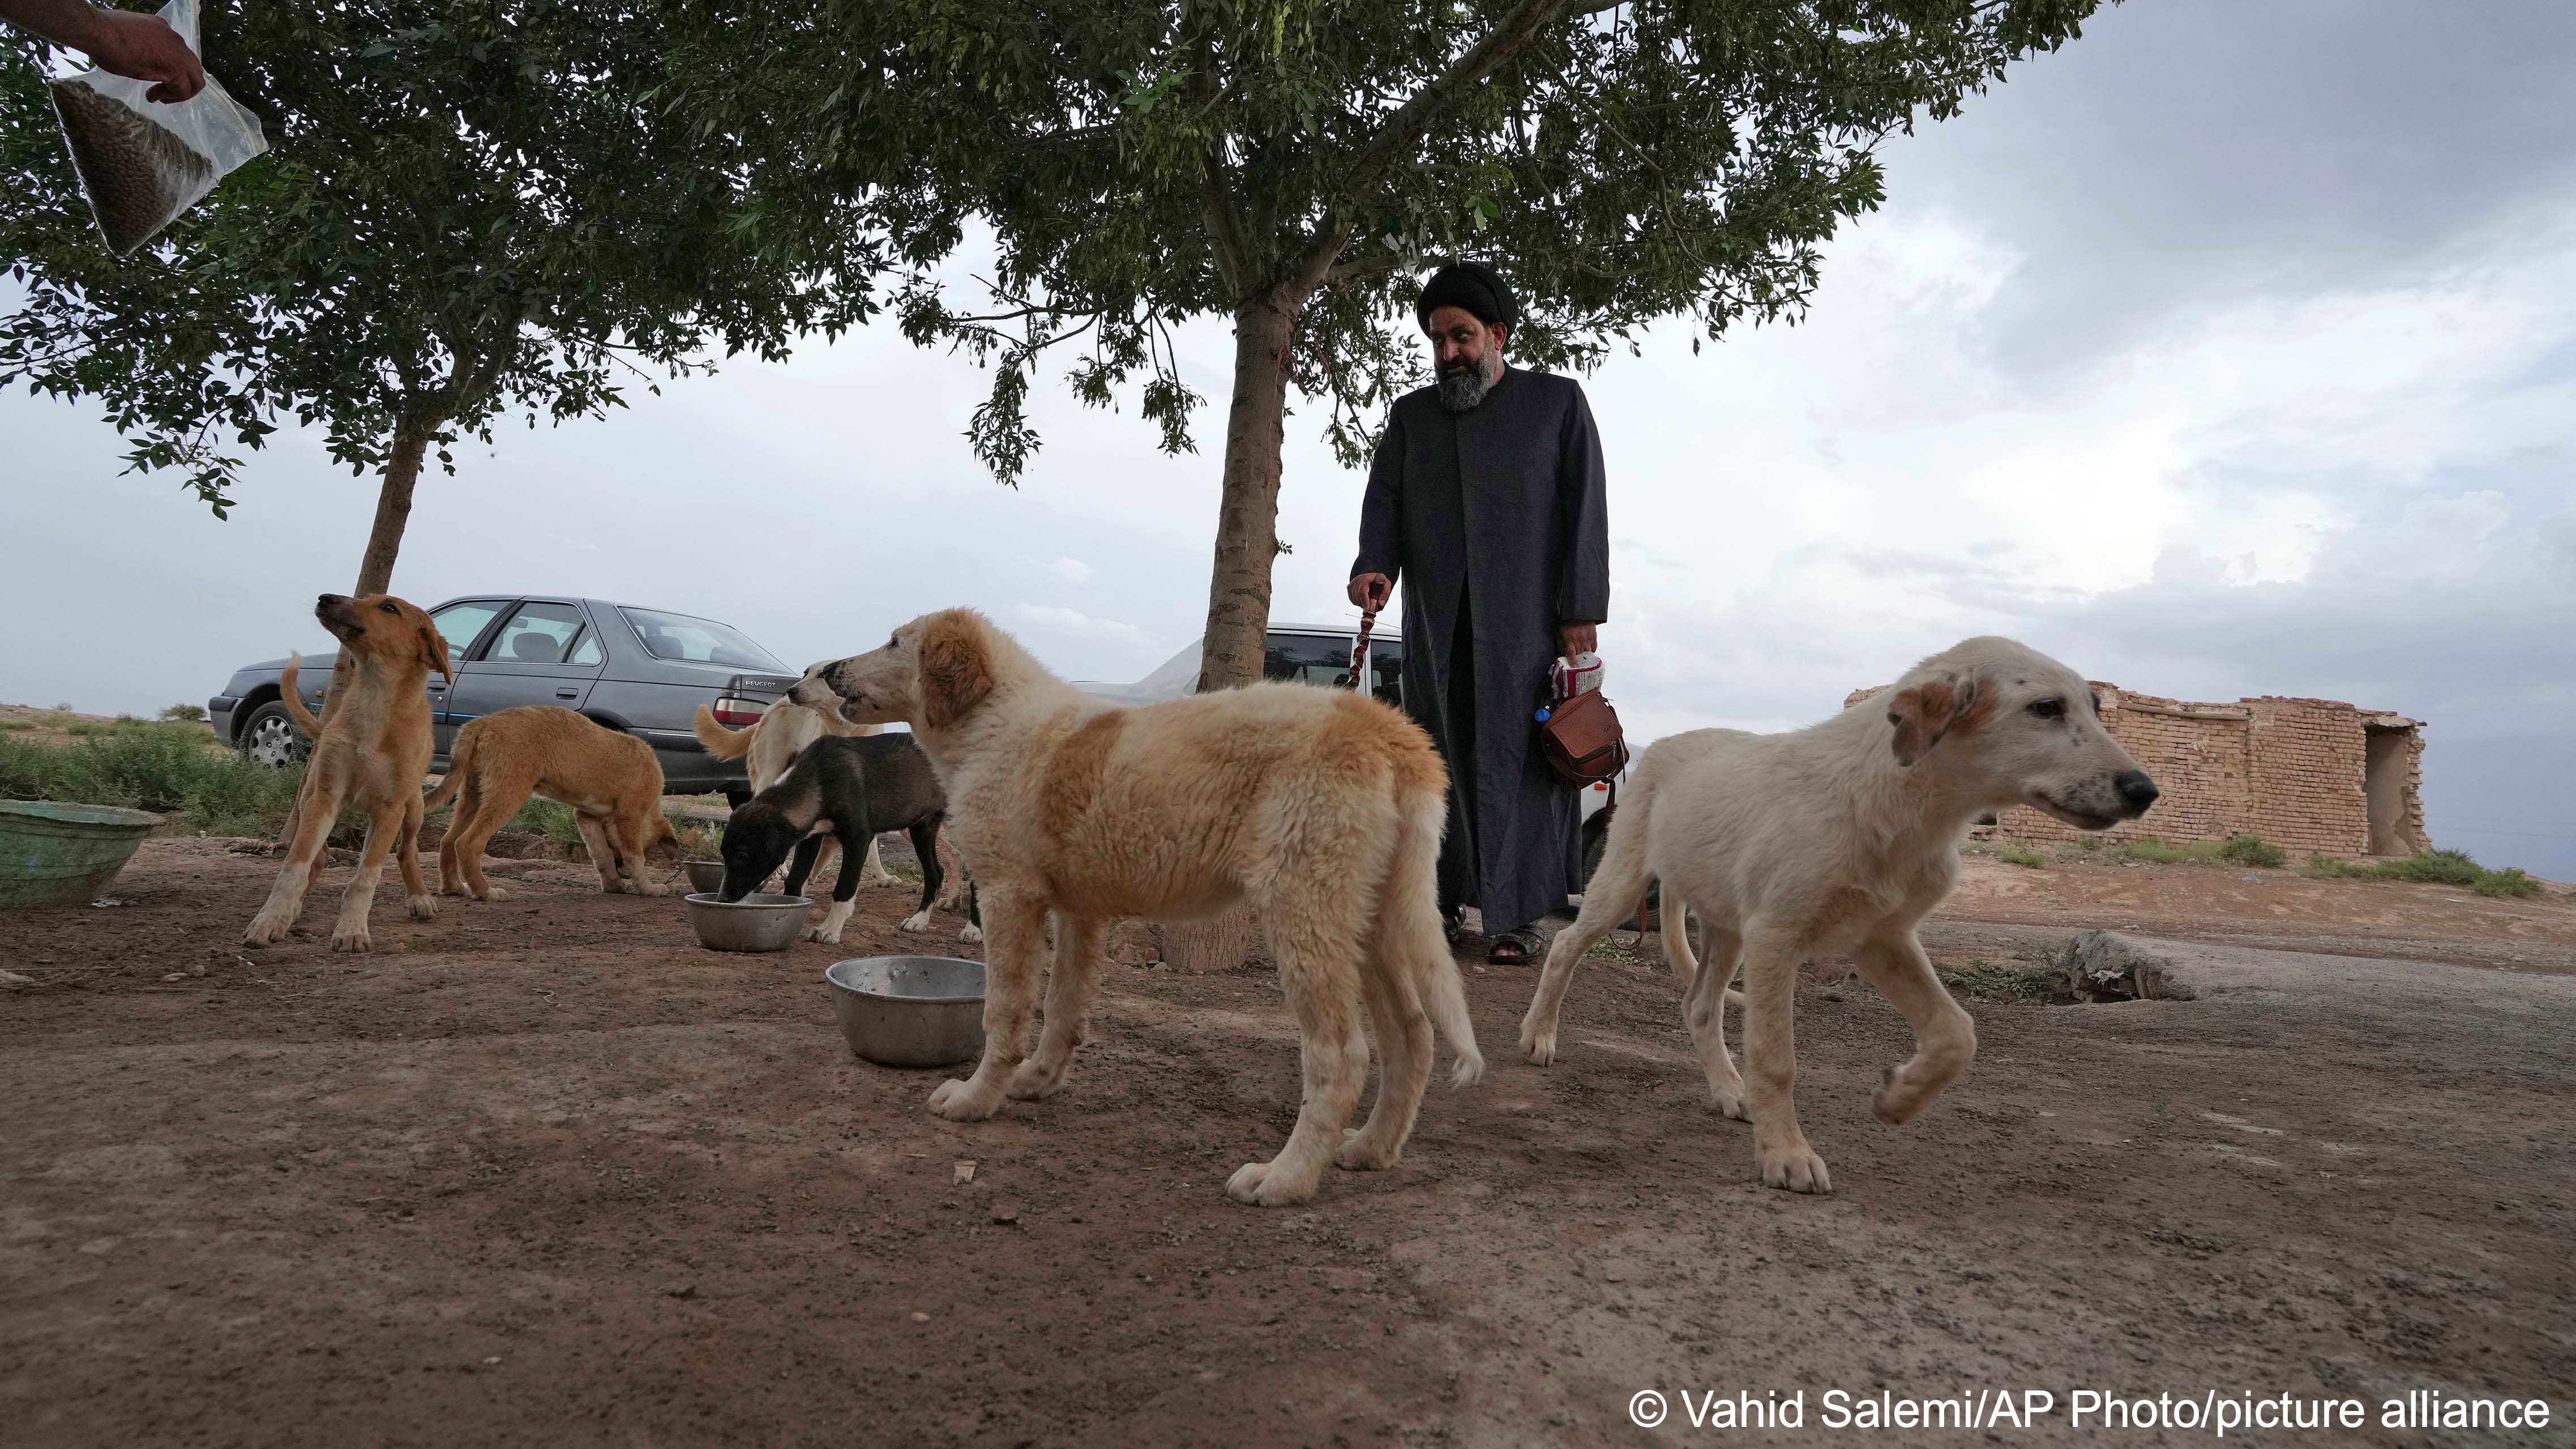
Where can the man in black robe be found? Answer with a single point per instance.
(1486, 499)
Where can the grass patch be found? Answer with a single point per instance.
(2027, 979)
(2243, 849)
(185, 714)
(2017, 853)
(699, 839)
(2431, 867)
(172, 770)
(2238, 849)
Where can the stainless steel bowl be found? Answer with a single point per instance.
(706, 876)
(757, 922)
(910, 1011)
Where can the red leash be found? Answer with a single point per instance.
(1359, 651)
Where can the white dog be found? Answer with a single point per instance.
(1838, 839)
(1320, 807)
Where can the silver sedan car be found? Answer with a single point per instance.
(644, 671)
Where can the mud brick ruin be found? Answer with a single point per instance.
(2313, 776)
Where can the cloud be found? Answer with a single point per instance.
(1074, 620)
(1071, 570)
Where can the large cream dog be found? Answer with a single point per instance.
(1837, 839)
(1321, 808)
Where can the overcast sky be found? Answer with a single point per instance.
(2229, 351)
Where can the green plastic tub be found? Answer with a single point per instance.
(52, 854)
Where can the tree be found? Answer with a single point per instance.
(1292, 164)
(467, 209)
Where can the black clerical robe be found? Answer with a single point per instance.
(1494, 522)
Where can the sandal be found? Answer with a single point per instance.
(1513, 948)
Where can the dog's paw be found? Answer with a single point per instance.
(973, 935)
(828, 935)
(423, 908)
(1539, 1046)
(1032, 1082)
(647, 888)
(1361, 1153)
(1262, 1184)
(1729, 1102)
(266, 929)
(352, 938)
(886, 880)
(491, 893)
(1901, 1098)
(1797, 1168)
(916, 923)
(966, 1101)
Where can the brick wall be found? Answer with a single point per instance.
(2290, 770)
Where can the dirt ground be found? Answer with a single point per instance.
(544, 1171)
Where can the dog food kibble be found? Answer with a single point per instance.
(138, 174)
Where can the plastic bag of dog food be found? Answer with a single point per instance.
(142, 163)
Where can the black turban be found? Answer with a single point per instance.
(1473, 286)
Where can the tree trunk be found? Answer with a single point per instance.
(1247, 521)
(412, 429)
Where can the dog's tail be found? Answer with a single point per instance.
(293, 699)
(723, 743)
(460, 758)
(1409, 930)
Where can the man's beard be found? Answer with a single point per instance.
(1464, 385)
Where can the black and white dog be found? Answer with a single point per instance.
(852, 788)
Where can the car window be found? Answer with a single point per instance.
(459, 623)
(677, 636)
(1386, 671)
(1307, 658)
(536, 634)
(586, 650)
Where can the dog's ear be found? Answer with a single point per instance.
(956, 669)
(433, 650)
(1923, 713)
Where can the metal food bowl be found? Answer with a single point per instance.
(910, 1011)
(758, 922)
(705, 876)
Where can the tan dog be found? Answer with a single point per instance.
(609, 778)
(1321, 808)
(370, 756)
(771, 743)
(1832, 840)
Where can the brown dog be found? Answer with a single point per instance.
(369, 755)
(608, 777)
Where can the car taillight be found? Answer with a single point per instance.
(739, 713)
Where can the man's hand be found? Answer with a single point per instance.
(1578, 639)
(1370, 591)
(120, 42)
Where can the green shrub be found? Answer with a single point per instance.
(2510, 881)
(2147, 847)
(172, 771)
(2430, 867)
(2017, 853)
(1983, 980)
(185, 713)
(2243, 849)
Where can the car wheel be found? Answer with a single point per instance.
(270, 738)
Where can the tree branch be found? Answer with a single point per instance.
(1409, 122)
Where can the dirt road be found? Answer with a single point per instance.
(543, 1171)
